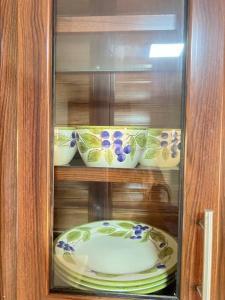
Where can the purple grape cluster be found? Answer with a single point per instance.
(65, 246)
(160, 266)
(73, 141)
(105, 139)
(77, 137)
(138, 230)
(105, 223)
(119, 149)
(176, 145)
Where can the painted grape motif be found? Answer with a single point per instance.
(73, 141)
(127, 149)
(119, 150)
(62, 139)
(160, 266)
(166, 142)
(105, 134)
(117, 134)
(118, 142)
(113, 145)
(65, 246)
(120, 229)
(106, 144)
(138, 231)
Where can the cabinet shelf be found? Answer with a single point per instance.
(116, 23)
(145, 176)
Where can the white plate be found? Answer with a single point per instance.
(116, 251)
(69, 281)
(87, 285)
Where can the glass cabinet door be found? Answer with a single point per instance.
(118, 144)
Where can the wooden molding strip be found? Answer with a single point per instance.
(116, 23)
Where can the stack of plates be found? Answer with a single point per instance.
(116, 256)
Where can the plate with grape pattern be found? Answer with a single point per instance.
(117, 252)
(88, 286)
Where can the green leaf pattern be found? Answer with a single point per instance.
(83, 233)
(133, 147)
(151, 153)
(153, 142)
(126, 225)
(109, 156)
(155, 146)
(86, 236)
(61, 140)
(157, 236)
(123, 230)
(90, 142)
(118, 233)
(106, 230)
(165, 153)
(68, 258)
(141, 140)
(82, 147)
(94, 155)
(146, 237)
(165, 252)
(73, 236)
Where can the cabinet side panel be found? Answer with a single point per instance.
(8, 160)
(203, 139)
(34, 120)
(221, 257)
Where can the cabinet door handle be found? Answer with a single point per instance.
(207, 225)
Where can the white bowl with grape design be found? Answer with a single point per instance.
(64, 145)
(109, 146)
(162, 148)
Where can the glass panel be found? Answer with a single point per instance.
(118, 143)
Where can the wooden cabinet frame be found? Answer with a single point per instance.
(25, 148)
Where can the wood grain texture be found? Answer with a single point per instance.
(113, 175)
(127, 195)
(34, 180)
(118, 7)
(116, 23)
(204, 115)
(134, 98)
(34, 123)
(221, 246)
(121, 51)
(152, 204)
(8, 154)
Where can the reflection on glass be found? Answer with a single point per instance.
(117, 146)
(166, 50)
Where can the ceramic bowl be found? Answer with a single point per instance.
(109, 146)
(162, 148)
(64, 145)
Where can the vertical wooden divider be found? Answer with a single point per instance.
(221, 245)
(100, 202)
(204, 119)
(34, 100)
(8, 151)
(100, 205)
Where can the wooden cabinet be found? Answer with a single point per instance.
(103, 75)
